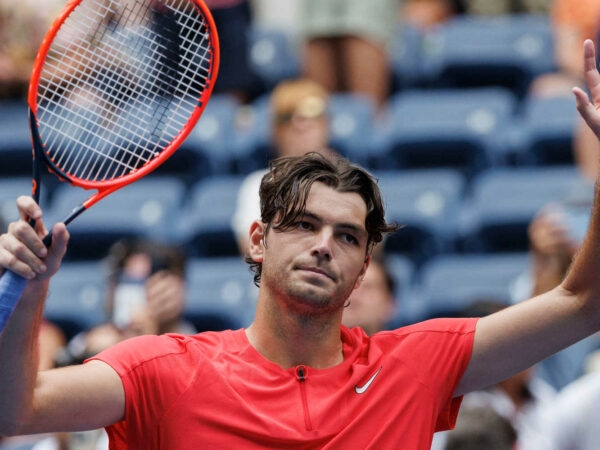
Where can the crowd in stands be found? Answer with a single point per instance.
(354, 66)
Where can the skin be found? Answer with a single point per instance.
(309, 271)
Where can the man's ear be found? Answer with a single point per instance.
(361, 275)
(256, 246)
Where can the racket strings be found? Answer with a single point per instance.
(119, 83)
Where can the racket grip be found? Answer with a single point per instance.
(11, 289)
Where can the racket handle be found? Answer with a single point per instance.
(11, 289)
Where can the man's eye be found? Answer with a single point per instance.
(350, 239)
(302, 225)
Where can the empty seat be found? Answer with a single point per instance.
(548, 126)
(145, 208)
(272, 57)
(470, 51)
(424, 203)
(210, 145)
(204, 225)
(405, 57)
(503, 202)
(10, 189)
(221, 294)
(76, 298)
(458, 128)
(450, 283)
(351, 119)
(15, 139)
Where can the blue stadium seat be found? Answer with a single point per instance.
(221, 294)
(15, 139)
(548, 126)
(502, 203)
(273, 57)
(76, 299)
(352, 119)
(425, 204)
(253, 141)
(10, 189)
(210, 145)
(403, 271)
(204, 225)
(449, 283)
(405, 57)
(507, 50)
(459, 128)
(147, 208)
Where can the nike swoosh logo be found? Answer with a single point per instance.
(361, 389)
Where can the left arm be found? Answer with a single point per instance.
(522, 335)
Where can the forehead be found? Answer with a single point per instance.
(340, 207)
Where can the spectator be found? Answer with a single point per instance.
(299, 124)
(145, 295)
(346, 45)
(372, 305)
(480, 427)
(22, 27)
(573, 418)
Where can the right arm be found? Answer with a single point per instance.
(58, 399)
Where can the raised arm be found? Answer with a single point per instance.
(522, 335)
(73, 398)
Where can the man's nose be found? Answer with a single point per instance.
(323, 244)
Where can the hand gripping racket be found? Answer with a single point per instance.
(116, 87)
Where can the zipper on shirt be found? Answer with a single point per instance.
(301, 377)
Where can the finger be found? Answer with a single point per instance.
(18, 257)
(587, 110)
(590, 70)
(28, 208)
(27, 236)
(58, 248)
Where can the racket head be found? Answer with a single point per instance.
(117, 86)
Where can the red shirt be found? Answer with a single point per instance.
(214, 390)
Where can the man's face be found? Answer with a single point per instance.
(304, 130)
(314, 266)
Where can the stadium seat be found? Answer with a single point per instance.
(403, 271)
(425, 204)
(502, 203)
(210, 145)
(405, 57)
(204, 225)
(471, 51)
(458, 128)
(221, 294)
(76, 299)
(449, 283)
(548, 126)
(253, 141)
(146, 208)
(10, 189)
(352, 119)
(15, 139)
(272, 57)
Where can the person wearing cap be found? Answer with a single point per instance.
(299, 124)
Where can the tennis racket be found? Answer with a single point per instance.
(116, 87)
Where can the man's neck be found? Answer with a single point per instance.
(290, 340)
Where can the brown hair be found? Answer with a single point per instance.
(285, 188)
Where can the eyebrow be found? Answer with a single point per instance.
(357, 229)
